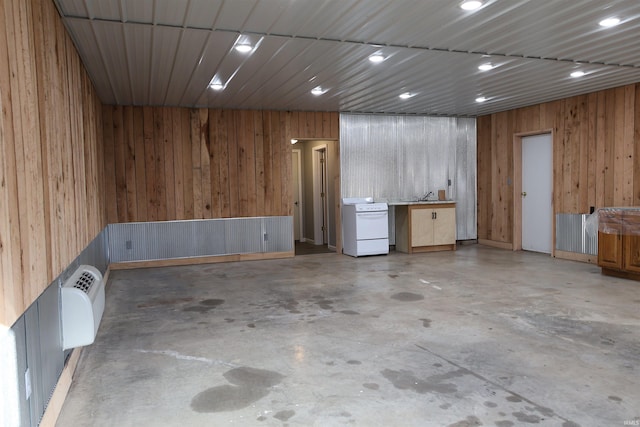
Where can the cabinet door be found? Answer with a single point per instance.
(610, 248)
(631, 243)
(444, 229)
(421, 227)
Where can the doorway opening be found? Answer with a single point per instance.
(533, 225)
(320, 195)
(317, 177)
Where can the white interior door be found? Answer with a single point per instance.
(296, 191)
(537, 187)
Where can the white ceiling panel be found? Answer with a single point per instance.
(203, 14)
(189, 51)
(138, 46)
(93, 59)
(138, 11)
(233, 14)
(267, 16)
(215, 52)
(168, 12)
(73, 8)
(108, 10)
(165, 52)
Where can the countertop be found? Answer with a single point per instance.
(622, 208)
(416, 202)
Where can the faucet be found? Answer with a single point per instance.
(426, 196)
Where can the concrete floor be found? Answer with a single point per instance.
(479, 336)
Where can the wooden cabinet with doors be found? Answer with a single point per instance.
(619, 242)
(426, 227)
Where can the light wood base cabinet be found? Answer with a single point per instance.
(426, 228)
(619, 243)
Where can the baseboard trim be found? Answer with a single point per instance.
(574, 256)
(495, 244)
(54, 407)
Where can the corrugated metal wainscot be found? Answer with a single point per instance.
(147, 241)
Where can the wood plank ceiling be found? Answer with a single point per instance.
(166, 52)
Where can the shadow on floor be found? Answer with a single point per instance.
(306, 248)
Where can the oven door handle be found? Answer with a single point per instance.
(372, 215)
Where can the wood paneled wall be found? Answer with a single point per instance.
(51, 203)
(166, 163)
(596, 156)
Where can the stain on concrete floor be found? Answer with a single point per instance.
(407, 297)
(247, 386)
(518, 341)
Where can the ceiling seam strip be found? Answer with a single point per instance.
(435, 49)
(363, 43)
(126, 54)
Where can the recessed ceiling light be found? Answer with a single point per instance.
(481, 99)
(609, 22)
(471, 5)
(577, 74)
(216, 84)
(376, 58)
(486, 66)
(317, 91)
(406, 95)
(244, 48)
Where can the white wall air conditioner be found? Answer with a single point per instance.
(82, 305)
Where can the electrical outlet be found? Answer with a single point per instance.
(27, 384)
(128, 244)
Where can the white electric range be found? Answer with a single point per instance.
(365, 226)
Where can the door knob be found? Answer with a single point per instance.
(524, 194)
